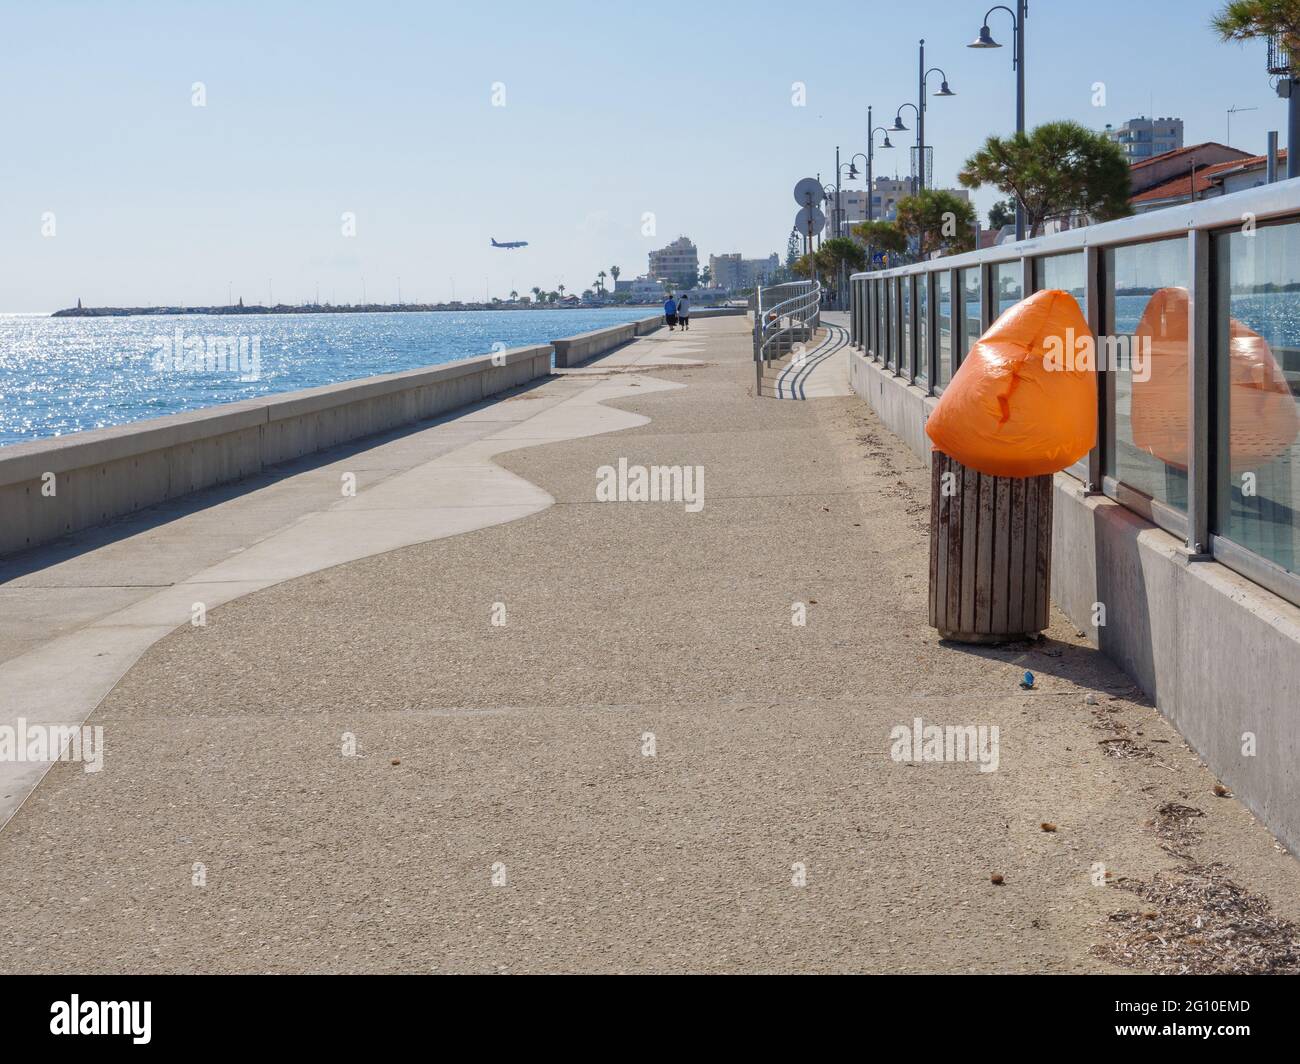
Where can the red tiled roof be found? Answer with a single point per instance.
(1166, 156)
(1182, 186)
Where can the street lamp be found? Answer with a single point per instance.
(985, 40)
(872, 130)
(837, 219)
(831, 197)
(899, 127)
(945, 91)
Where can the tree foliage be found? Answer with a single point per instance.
(883, 236)
(792, 251)
(1244, 20)
(1002, 213)
(936, 220)
(840, 251)
(1055, 171)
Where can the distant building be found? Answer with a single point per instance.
(885, 196)
(678, 263)
(640, 288)
(734, 272)
(853, 209)
(1144, 138)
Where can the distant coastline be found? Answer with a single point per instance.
(319, 308)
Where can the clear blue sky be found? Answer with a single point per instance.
(385, 109)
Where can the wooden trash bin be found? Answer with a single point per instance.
(990, 554)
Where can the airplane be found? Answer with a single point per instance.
(510, 243)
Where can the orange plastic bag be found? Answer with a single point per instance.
(1010, 410)
(1262, 411)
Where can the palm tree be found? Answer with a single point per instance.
(514, 296)
(537, 293)
(614, 271)
(560, 288)
(601, 280)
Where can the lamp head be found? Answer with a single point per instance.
(985, 40)
(945, 91)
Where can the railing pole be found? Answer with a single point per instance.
(1199, 478)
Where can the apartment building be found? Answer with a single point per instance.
(1145, 138)
(678, 263)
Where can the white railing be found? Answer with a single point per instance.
(783, 314)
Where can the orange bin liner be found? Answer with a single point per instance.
(1007, 412)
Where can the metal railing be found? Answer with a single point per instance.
(784, 314)
(1200, 497)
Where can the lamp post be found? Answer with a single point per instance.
(898, 127)
(835, 211)
(985, 40)
(920, 111)
(837, 215)
(872, 130)
(1284, 64)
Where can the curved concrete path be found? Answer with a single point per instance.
(62, 680)
(825, 371)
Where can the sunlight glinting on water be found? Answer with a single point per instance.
(62, 375)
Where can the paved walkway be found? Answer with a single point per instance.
(823, 372)
(587, 734)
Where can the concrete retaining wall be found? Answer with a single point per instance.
(106, 473)
(719, 312)
(574, 350)
(1219, 655)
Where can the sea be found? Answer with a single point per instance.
(64, 375)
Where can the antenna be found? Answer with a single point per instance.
(1234, 109)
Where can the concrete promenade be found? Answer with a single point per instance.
(503, 653)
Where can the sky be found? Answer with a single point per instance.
(594, 131)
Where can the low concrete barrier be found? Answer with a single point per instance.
(574, 350)
(719, 312)
(1218, 654)
(49, 488)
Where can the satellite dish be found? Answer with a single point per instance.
(809, 190)
(802, 219)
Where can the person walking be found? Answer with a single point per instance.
(670, 312)
(684, 312)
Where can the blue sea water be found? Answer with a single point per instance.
(62, 375)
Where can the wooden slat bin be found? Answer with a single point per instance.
(990, 554)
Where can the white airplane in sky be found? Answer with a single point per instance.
(510, 243)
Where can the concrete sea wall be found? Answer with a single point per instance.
(49, 488)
